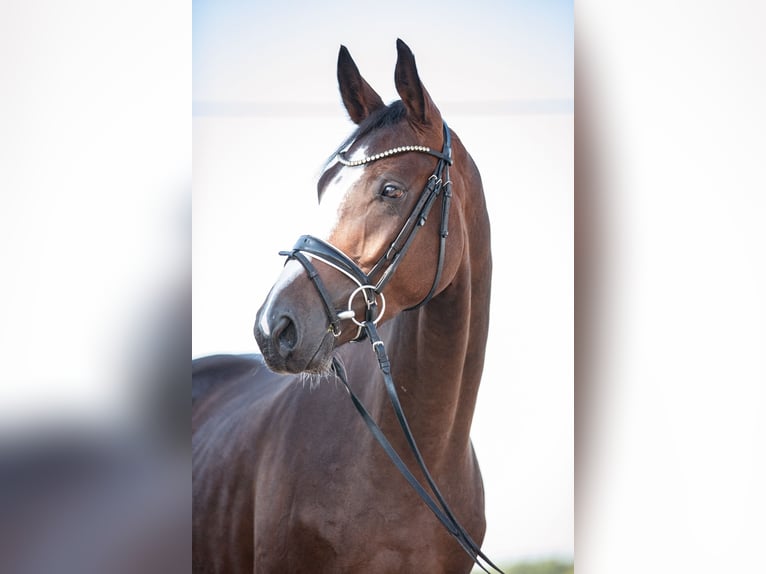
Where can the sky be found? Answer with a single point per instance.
(485, 51)
(266, 113)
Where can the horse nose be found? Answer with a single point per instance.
(284, 335)
(276, 333)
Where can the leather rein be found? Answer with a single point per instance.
(309, 246)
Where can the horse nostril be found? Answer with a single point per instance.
(285, 335)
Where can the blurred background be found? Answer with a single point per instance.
(267, 113)
(95, 197)
(670, 284)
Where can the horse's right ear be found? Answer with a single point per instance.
(358, 97)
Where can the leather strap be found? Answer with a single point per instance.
(331, 255)
(313, 274)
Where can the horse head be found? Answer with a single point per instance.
(375, 193)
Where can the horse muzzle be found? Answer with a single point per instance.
(290, 329)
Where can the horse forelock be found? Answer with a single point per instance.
(381, 118)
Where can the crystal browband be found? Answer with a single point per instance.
(387, 153)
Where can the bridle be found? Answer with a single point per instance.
(309, 246)
(438, 184)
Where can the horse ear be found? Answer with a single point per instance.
(358, 97)
(420, 107)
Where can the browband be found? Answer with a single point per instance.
(393, 151)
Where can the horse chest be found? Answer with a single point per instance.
(344, 518)
(372, 538)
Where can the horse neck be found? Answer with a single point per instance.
(437, 352)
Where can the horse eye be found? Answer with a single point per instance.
(391, 191)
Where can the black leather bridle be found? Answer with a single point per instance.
(371, 284)
(309, 246)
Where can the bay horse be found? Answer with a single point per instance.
(286, 477)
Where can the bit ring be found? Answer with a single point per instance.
(367, 302)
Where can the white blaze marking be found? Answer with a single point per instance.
(334, 195)
(291, 270)
(326, 221)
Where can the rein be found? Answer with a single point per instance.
(435, 503)
(438, 184)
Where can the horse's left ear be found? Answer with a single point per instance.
(420, 107)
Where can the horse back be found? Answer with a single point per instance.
(210, 372)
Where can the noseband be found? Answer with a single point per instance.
(438, 184)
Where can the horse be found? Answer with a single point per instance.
(286, 477)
